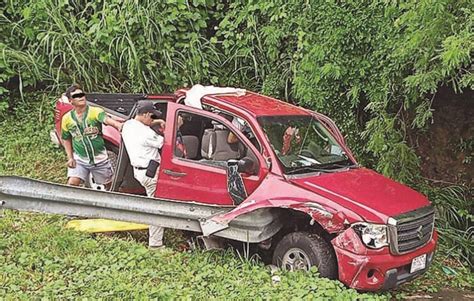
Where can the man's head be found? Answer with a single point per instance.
(76, 96)
(146, 112)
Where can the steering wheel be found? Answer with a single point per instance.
(308, 153)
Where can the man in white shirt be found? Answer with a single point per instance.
(143, 145)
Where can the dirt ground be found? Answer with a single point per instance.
(446, 294)
(446, 148)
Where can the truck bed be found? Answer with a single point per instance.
(122, 104)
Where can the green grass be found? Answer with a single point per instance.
(455, 219)
(40, 258)
(445, 273)
(25, 147)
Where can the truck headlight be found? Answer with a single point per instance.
(372, 235)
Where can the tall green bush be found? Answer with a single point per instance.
(373, 66)
(116, 45)
(455, 220)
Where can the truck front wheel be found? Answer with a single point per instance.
(302, 250)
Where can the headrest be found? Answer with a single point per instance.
(208, 143)
(192, 144)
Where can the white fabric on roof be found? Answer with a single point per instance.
(194, 95)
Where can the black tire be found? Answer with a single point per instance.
(301, 250)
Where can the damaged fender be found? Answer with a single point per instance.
(329, 214)
(331, 222)
(330, 219)
(346, 244)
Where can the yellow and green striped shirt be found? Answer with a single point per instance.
(86, 134)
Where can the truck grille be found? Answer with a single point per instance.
(412, 230)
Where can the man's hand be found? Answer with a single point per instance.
(180, 121)
(161, 122)
(71, 163)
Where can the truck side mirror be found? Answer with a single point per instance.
(235, 183)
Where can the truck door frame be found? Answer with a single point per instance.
(170, 161)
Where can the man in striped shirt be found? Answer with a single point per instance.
(81, 131)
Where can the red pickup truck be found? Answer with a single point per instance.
(354, 224)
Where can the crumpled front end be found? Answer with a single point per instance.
(366, 269)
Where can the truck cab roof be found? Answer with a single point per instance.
(253, 103)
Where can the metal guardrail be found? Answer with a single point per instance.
(38, 196)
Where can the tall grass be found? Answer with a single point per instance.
(146, 46)
(455, 220)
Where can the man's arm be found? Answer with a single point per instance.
(66, 137)
(158, 126)
(231, 139)
(154, 140)
(161, 122)
(68, 148)
(116, 124)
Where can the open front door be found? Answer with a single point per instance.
(124, 181)
(195, 157)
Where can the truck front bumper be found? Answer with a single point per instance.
(377, 270)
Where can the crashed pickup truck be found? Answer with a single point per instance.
(288, 184)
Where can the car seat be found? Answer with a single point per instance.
(215, 147)
(191, 143)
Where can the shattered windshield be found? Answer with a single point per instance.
(303, 144)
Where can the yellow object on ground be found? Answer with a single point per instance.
(103, 225)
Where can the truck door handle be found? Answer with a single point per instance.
(174, 173)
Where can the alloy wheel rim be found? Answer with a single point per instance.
(295, 259)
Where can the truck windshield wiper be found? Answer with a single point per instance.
(306, 168)
(338, 164)
(325, 168)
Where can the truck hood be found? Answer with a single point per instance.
(367, 193)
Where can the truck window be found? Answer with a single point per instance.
(241, 124)
(203, 139)
(302, 143)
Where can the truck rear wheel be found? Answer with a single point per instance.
(302, 250)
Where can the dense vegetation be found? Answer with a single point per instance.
(373, 66)
(42, 259)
